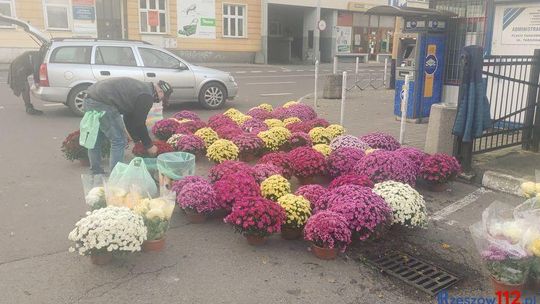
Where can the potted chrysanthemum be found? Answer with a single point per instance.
(439, 169)
(298, 211)
(233, 188)
(165, 128)
(249, 145)
(328, 232)
(208, 135)
(307, 163)
(197, 198)
(157, 216)
(380, 140)
(275, 187)
(222, 150)
(408, 206)
(106, 231)
(383, 165)
(275, 138)
(256, 218)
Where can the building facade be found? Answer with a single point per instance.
(279, 31)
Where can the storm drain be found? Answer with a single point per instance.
(415, 272)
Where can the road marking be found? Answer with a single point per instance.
(280, 76)
(299, 70)
(276, 94)
(256, 71)
(241, 72)
(462, 203)
(277, 82)
(53, 104)
(272, 71)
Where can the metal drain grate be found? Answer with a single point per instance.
(415, 272)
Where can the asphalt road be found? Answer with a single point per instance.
(41, 198)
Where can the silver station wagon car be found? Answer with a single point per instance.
(70, 66)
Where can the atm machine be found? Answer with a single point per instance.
(421, 55)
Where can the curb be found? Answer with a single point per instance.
(502, 182)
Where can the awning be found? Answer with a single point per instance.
(387, 10)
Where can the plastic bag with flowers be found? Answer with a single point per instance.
(157, 214)
(529, 212)
(128, 184)
(531, 189)
(499, 240)
(94, 190)
(108, 230)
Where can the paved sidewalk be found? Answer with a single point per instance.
(369, 111)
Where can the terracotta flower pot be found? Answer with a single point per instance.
(85, 162)
(306, 180)
(324, 253)
(101, 259)
(195, 217)
(153, 245)
(437, 187)
(255, 240)
(289, 233)
(500, 286)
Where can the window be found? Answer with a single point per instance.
(72, 54)
(158, 59)
(6, 8)
(153, 16)
(274, 29)
(115, 55)
(56, 14)
(234, 16)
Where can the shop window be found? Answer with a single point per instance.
(57, 14)
(274, 29)
(153, 16)
(468, 28)
(234, 20)
(7, 9)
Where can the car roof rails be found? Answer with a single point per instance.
(98, 40)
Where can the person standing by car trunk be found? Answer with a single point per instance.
(19, 70)
(127, 97)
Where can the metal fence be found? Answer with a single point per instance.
(512, 84)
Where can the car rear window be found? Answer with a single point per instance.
(72, 54)
(115, 55)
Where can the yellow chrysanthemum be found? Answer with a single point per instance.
(370, 150)
(275, 138)
(222, 150)
(290, 103)
(323, 148)
(297, 208)
(274, 123)
(208, 135)
(291, 120)
(319, 135)
(232, 112)
(335, 131)
(275, 187)
(266, 107)
(534, 247)
(240, 119)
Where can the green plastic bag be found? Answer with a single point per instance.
(176, 165)
(133, 176)
(151, 165)
(89, 128)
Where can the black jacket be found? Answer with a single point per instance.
(20, 68)
(132, 98)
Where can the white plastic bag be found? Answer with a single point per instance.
(94, 190)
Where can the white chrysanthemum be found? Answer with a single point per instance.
(408, 206)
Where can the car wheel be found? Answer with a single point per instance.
(213, 95)
(76, 99)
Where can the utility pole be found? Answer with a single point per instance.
(317, 34)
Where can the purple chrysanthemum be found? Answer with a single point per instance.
(382, 166)
(264, 171)
(227, 168)
(186, 115)
(380, 140)
(343, 160)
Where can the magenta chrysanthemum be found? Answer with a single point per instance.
(307, 162)
(348, 141)
(312, 193)
(280, 159)
(191, 144)
(198, 196)
(228, 167)
(254, 126)
(417, 156)
(248, 143)
(220, 120)
(299, 127)
(264, 171)
(382, 166)
(351, 179)
(329, 230)
(260, 114)
(256, 216)
(190, 126)
(343, 160)
(379, 140)
(317, 122)
(235, 187)
(228, 131)
(300, 139)
(165, 128)
(364, 210)
(179, 184)
(439, 168)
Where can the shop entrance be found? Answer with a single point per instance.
(109, 19)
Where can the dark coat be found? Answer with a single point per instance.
(473, 113)
(20, 68)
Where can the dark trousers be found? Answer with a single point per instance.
(26, 95)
